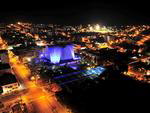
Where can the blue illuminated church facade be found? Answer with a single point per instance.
(58, 53)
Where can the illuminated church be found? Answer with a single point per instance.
(57, 53)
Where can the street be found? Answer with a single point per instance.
(37, 99)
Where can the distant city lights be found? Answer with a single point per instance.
(100, 29)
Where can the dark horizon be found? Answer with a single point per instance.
(115, 13)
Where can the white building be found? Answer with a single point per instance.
(8, 83)
(8, 88)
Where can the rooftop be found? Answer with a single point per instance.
(7, 78)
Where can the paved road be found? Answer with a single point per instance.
(37, 99)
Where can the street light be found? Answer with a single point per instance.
(28, 58)
(18, 23)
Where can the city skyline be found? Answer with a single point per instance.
(60, 68)
(74, 57)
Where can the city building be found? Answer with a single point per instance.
(8, 83)
(58, 53)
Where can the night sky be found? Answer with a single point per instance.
(77, 12)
